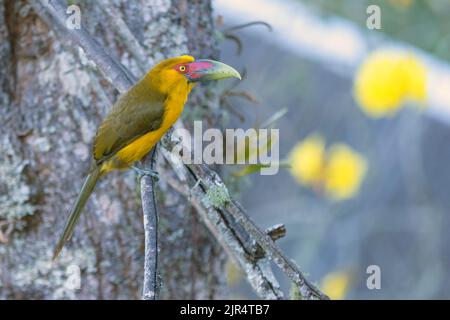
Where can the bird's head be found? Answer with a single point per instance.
(187, 70)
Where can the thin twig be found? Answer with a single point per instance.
(120, 27)
(276, 232)
(249, 24)
(150, 212)
(210, 179)
(257, 271)
(54, 13)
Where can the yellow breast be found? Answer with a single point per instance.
(173, 108)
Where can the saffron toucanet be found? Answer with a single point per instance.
(139, 119)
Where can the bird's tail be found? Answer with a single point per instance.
(86, 190)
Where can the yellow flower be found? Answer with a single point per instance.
(387, 79)
(336, 285)
(417, 76)
(307, 160)
(338, 171)
(344, 172)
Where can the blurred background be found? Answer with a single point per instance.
(366, 135)
(360, 91)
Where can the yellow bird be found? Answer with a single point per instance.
(139, 119)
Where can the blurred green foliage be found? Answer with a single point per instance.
(423, 23)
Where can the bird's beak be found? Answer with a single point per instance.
(205, 70)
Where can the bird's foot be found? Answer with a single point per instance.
(146, 172)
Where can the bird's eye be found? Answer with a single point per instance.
(182, 68)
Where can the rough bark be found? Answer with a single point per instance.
(51, 101)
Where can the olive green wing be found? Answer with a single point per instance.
(136, 113)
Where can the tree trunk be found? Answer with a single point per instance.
(51, 102)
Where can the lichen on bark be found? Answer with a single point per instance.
(51, 101)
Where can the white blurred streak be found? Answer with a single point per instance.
(335, 43)
(296, 29)
(439, 89)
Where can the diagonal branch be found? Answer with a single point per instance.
(210, 179)
(218, 220)
(257, 271)
(119, 26)
(53, 12)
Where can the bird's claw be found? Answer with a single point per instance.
(146, 172)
